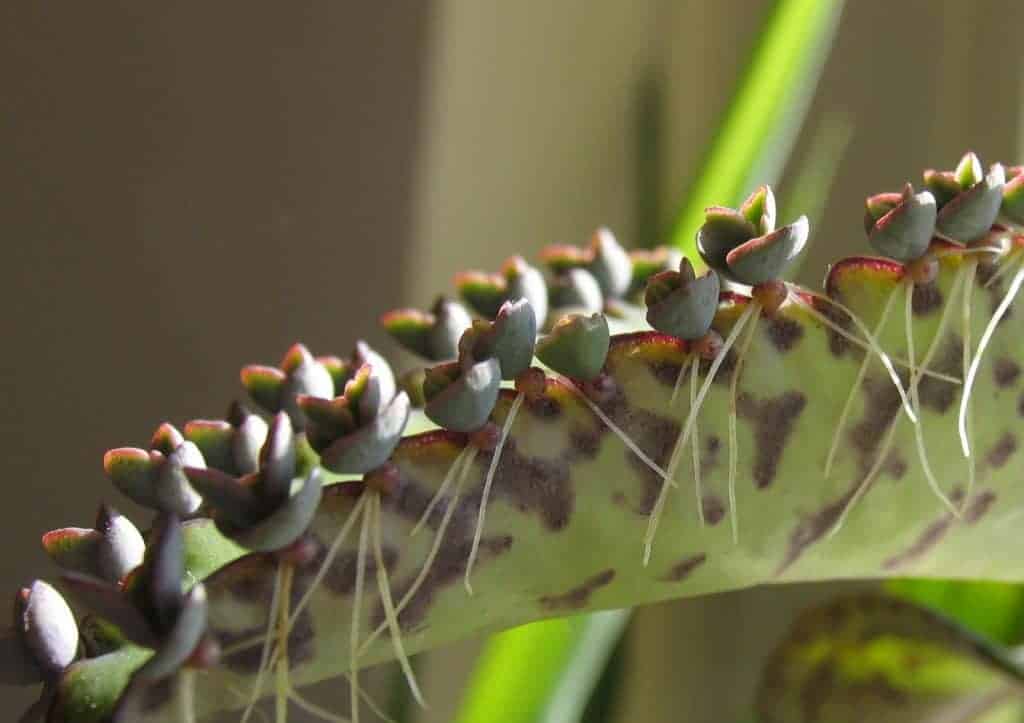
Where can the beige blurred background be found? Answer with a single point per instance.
(188, 187)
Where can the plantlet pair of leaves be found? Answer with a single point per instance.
(485, 293)
(155, 478)
(460, 395)
(269, 508)
(150, 608)
(744, 246)
(961, 205)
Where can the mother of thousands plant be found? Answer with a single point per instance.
(359, 517)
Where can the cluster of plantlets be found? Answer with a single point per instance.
(254, 577)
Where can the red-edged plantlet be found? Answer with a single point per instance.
(151, 609)
(593, 279)
(109, 551)
(744, 246)
(960, 206)
(967, 197)
(683, 306)
(460, 396)
(275, 389)
(40, 645)
(485, 293)
(269, 511)
(433, 335)
(356, 433)
(156, 478)
(510, 340)
(1000, 203)
(230, 445)
(647, 263)
(604, 258)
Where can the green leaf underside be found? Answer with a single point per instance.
(569, 506)
(869, 657)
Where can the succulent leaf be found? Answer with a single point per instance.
(766, 257)
(679, 304)
(577, 288)
(482, 291)
(434, 335)
(968, 203)
(368, 446)
(287, 522)
(109, 551)
(181, 639)
(46, 628)
(525, 282)
(510, 338)
(577, 346)
(724, 229)
(904, 229)
(565, 473)
(461, 395)
(647, 263)
(609, 263)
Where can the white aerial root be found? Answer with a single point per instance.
(873, 344)
(467, 463)
(862, 487)
(825, 321)
(687, 430)
(915, 397)
(187, 695)
(390, 616)
(357, 599)
(986, 337)
(488, 481)
(626, 439)
(970, 270)
(848, 406)
(679, 380)
(268, 640)
(314, 709)
(890, 434)
(449, 479)
(694, 383)
(734, 447)
(282, 681)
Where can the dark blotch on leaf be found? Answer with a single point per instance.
(684, 568)
(773, 421)
(1007, 372)
(579, 596)
(926, 299)
(783, 333)
(938, 394)
(1001, 452)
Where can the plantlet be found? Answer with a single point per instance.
(489, 491)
